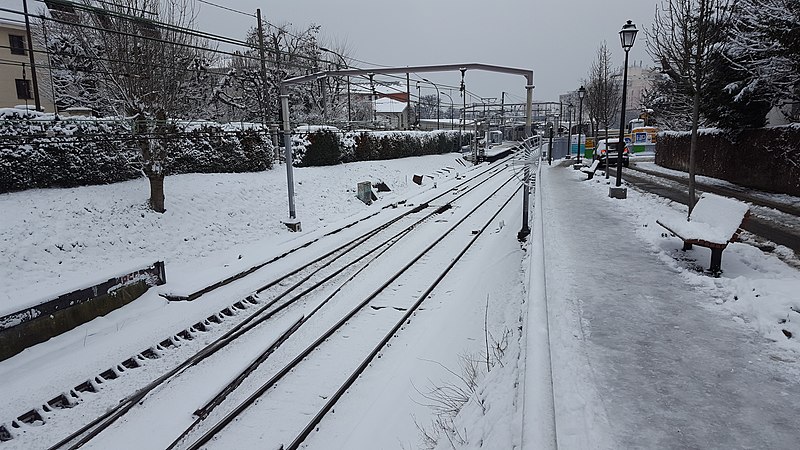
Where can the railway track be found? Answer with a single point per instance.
(267, 305)
(374, 325)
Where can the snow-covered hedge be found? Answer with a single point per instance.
(327, 147)
(767, 159)
(210, 149)
(37, 151)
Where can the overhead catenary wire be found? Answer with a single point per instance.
(245, 56)
(226, 8)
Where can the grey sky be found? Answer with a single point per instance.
(557, 39)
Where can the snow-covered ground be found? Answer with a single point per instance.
(646, 350)
(55, 240)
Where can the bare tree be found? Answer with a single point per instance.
(603, 90)
(684, 36)
(142, 59)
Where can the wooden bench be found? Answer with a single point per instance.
(591, 169)
(715, 221)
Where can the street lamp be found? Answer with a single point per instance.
(581, 94)
(438, 102)
(451, 108)
(419, 106)
(626, 37)
(570, 109)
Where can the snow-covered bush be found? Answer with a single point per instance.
(209, 149)
(325, 147)
(321, 148)
(39, 151)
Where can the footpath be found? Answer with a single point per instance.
(640, 355)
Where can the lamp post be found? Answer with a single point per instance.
(451, 108)
(570, 108)
(581, 94)
(374, 99)
(438, 100)
(627, 36)
(419, 106)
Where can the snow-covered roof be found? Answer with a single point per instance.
(315, 128)
(387, 105)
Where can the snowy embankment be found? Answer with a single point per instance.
(759, 292)
(58, 240)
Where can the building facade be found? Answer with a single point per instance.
(16, 83)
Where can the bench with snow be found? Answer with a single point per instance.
(591, 169)
(715, 221)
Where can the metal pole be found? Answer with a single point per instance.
(374, 100)
(438, 104)
(569, 131)
(287, 142)
(419, 106)
(580, 125)
(526, 193)
(621, 143)
(349, 106)
(324, 86)
(502, 110)
(34, 78)
(550, 149)
(408, 101)
(50, 67)
(261, 52)
(451, 108)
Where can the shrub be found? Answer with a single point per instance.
(37, 151)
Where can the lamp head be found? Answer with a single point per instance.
(628, 35)
(582, 92)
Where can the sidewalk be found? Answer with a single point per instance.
(642, 354)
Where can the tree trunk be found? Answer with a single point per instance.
(152, 143)
(693, 148)
(157, 192)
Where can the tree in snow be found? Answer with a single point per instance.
(603, 91)
(145, 63)
(765, 44)
(288, 52)
(685, 37)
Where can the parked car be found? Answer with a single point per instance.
(607, 152)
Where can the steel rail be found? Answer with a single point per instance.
(97, 425)
(232, 415)
(312, 424)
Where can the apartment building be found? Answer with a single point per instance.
(16, 84)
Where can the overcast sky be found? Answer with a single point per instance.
(557, 39)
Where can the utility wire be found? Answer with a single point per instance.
(226, 8)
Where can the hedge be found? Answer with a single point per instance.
(39, 152)
(766, 159)
(325, 147)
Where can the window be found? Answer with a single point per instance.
(24, 89)
(17, 44)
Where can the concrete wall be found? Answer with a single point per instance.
(37, 324)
